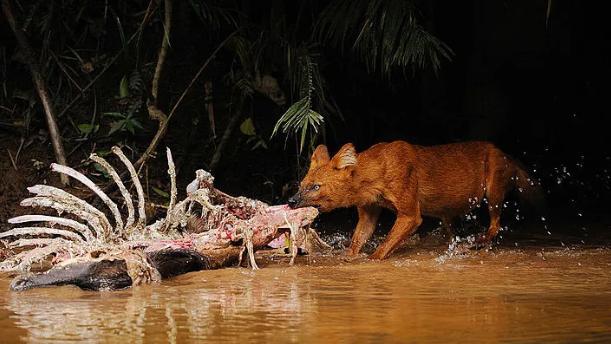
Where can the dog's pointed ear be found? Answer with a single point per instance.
(345, 157)
(319, 157)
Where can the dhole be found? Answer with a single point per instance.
(442, 181)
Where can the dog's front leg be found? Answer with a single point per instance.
(368, 218)
(404, 226)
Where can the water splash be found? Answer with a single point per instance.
(458, 247)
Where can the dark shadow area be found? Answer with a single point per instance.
(530, 78)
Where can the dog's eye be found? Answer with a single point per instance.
(315, 187)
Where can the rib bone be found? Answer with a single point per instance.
(115, 177)
(35, 231)
(132, 171)
(79, 227)
(83, 179)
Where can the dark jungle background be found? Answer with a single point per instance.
(278, 77)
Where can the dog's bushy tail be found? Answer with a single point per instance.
(529, 188)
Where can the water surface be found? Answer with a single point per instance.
(526, 294)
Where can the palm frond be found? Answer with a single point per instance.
(300, 118)
(384, 33)
(214, 15)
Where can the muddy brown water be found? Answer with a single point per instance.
(524, 294)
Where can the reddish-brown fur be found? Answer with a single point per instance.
(442, 181)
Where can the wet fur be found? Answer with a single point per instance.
(443, 181)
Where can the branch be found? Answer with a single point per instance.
(41, 88)
(233, 121)
(163, 127)
(163, 51)
(147, 16)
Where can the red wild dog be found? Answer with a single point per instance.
(413, 181)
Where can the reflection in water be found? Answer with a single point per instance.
(523, 295)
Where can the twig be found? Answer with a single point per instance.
(22, 141)
(108, 65)
(63, 69)
(209, 101)
(162, 128)
(154, 111)
(147, 14)
(11, 157)
(233, 121)
(200, 71)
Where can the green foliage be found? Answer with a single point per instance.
(124, 122)
(100, 170)
(213, 15)
(300, 119)
(77, 39)
(123, 88)
(384, 33)
(160, 192)
(88, 129)
(248, 128)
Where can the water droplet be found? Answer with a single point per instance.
(549, 233)
(542, 218)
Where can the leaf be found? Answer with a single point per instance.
(130, 127)
(385, 34)
(124, 88)
(103, 152)
(247, 127)
(114, 114)
(136, 123)
(160, 192)
(260, 143)
(115, 126)
(101, 170)
(86, 128)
